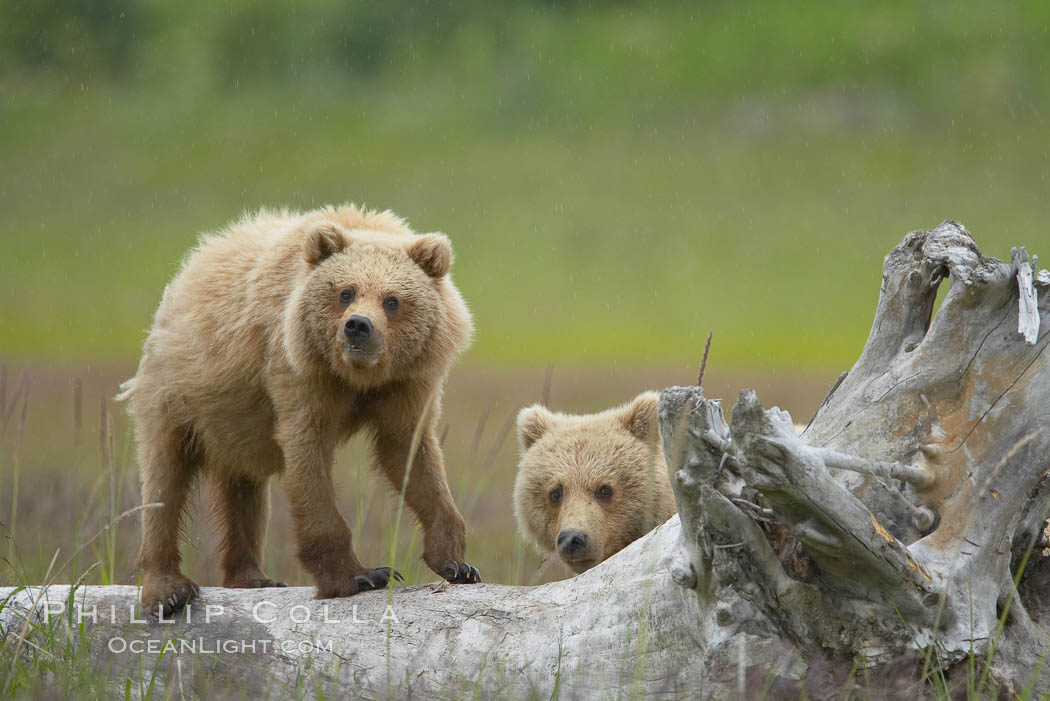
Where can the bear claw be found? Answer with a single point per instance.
(377, 578)
(179, 597)
(460, 573)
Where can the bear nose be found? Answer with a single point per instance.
(358, 328)
(571, 541)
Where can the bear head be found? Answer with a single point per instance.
(374, 306)
(589, 485)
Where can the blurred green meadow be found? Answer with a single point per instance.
(618, 179)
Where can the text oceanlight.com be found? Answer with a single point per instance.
(201, 646)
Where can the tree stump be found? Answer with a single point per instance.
(907, 520)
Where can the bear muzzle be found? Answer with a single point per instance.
(574, 547)
(363, 342)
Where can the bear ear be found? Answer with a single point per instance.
(639, 417)
(533, 422)
(432, 253)
(321, 242)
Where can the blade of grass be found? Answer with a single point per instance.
(557, 672)
(16, 468)
(929, 663)
(1029, 688)
(7, 411)
(25, 629)
(548, 377)
(1010, 596)
(417, 437)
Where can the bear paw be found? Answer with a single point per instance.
(376, 578)
(163, 595)
(460, 573)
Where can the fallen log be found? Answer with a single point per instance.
(614, 627)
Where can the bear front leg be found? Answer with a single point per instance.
(242, 508)
(428, 495)
(323, 538)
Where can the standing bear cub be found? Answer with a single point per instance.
(588, 486)
(279, 338)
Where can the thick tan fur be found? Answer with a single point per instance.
(577, 456)
(247, 374)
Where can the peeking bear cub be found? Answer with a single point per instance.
(587, 486)
(280, 337)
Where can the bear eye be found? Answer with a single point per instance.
(604, 492)
(555, 495)
(390, 304)
(347, 296)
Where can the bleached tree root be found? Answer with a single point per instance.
(903, 516)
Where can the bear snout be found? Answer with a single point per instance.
(358, 329)
(572, 542)
(363, 342)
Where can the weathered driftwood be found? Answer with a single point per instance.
(902, 516)
(618, 626)
(887, 538)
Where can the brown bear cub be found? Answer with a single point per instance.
(280, 337)
(588, 486)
